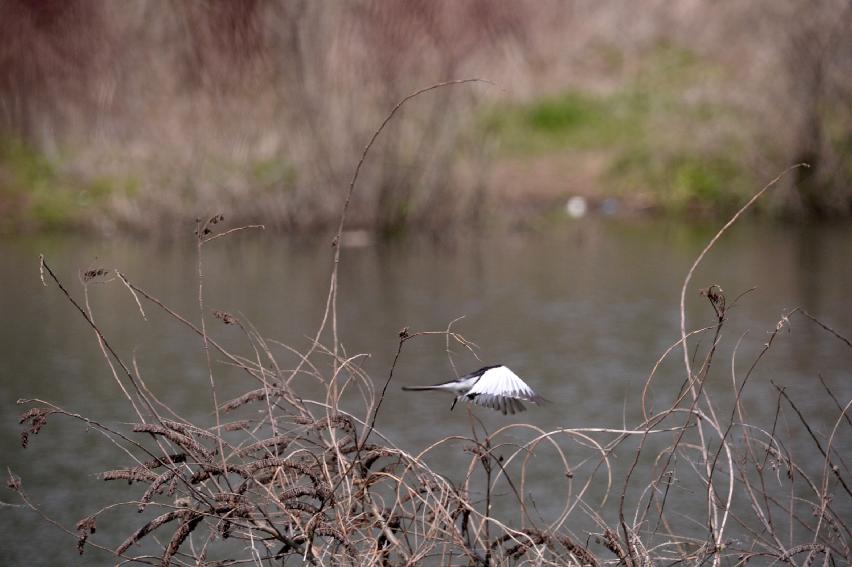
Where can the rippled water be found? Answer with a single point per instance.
(581, 313)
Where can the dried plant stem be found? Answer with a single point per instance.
(332, 293)
(707, 248)
(713, 509)
(101, 341)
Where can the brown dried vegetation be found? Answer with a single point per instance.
(303, 479)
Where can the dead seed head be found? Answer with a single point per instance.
(85, 528)
(37, 418)
(714, 293)
(204, 229)
(237, 425)
(13, 482)
(226, 318)
(89, 275)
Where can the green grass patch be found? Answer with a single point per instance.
(37, 191)
(645, 130)
(272, 174)
(570, 120)
(708, 180)
(24, 167)
(839, 137)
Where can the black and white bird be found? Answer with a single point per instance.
(494, 387)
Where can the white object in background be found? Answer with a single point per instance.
(576, 207)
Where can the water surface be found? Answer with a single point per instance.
(581, 313)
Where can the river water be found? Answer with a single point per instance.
(581, 312)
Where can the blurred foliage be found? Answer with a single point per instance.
(272, 173)
(570, 120)
(29, 187)
(37, 191)
(628, 127)
(263, 108)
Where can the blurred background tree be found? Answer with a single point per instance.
(142, 116)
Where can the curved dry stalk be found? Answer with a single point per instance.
(687, 279)
(331, 298)
(707, 248)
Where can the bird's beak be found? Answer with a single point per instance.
(454, 403)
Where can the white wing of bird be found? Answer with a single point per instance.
(501, 389)
(494, 387)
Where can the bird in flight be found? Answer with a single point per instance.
(494, 387)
